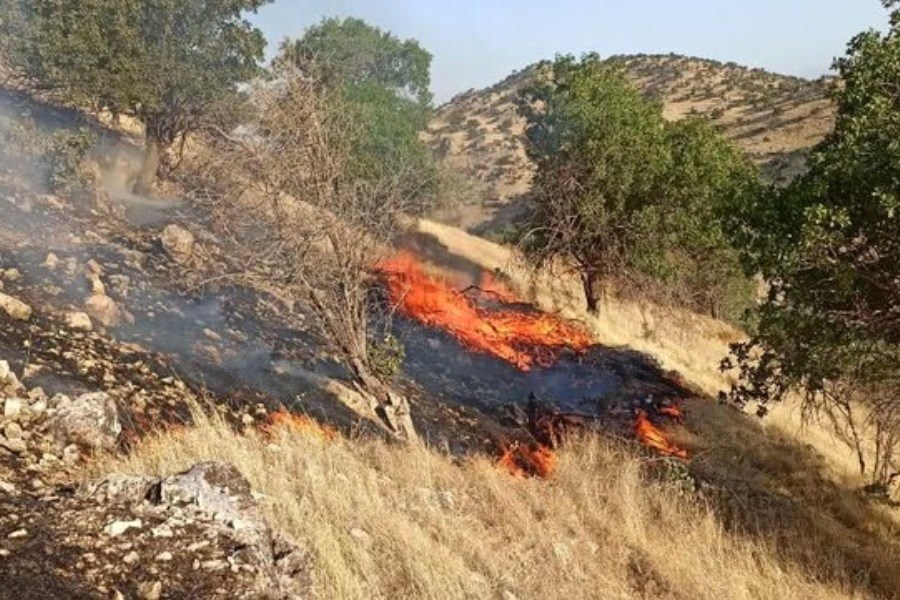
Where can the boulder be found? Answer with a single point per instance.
(79, 320)
(104, 310)
(9, 383)
(219, 498)
(14, 307)
(178, 242)
(91, 420)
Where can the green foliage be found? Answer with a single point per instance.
(386, 357)
(164, 62)
(622, 194)
(381, 84)
(350, 51)
(829, 246)
(65, 156)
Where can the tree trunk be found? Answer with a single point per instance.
(392, 408)
(147, 177)
(589, 281)
(391, 414)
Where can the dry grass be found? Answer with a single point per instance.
(390, 522)
(691, 344)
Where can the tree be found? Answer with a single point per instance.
(829, 247)
(689, 251)
(308, 230)
(598, 150)
(165, 62)
(350, 51)
(384, 82)
(620, 194)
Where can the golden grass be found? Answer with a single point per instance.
(694, 345)
(392, 522)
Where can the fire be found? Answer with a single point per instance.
(523, 461)
(522, 339)
(490, 286)
(285, 420)
(651, 436)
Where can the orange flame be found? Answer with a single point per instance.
(522, 339)
(670, 410)
(522, 461)
(651, 436)
(285, 420)
(489, 285)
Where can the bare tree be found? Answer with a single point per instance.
(283, 193)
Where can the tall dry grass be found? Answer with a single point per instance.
(694, 345)
(392, 522)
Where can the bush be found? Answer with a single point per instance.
(65, 156)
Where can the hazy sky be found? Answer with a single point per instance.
(476, 43)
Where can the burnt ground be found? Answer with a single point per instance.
(183, 335)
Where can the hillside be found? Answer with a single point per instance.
(776, 119)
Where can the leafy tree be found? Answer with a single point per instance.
(707, 176)
(164, 62)
(384, 83)
(350, 51)
(622, 195)
(829, 247)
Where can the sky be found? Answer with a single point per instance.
(476, 43)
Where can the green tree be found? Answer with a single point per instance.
(707, 176)
(165, 62)
(384, 84)
(622, 195)
(350, 51)
(829, 247)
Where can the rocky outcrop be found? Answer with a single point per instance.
(216, 498)
(197, 534)
(91, 421)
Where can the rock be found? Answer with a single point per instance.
(90, 420)
(121, 489)
(7, 488)
(178, 242)
(9, 383)
(19, 533)
(13, 431)
(117, 528)
(79, 320)
(131, 558)
(150, 590)
(14, 307)
(162, 531)
(97, 287)
(52, 261)
(13, 408)
(104, 310)
(94, 267)
(11, 275)
(219, 500)
(70, 454)
(16, 446)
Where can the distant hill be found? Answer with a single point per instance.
(774, 118)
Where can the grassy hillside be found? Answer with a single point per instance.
(776, 119)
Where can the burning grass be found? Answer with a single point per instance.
(522, 338)
(391, 522)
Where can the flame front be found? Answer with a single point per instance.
(522, 461)
(651, 436)
(284, 420)
(522, 339)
